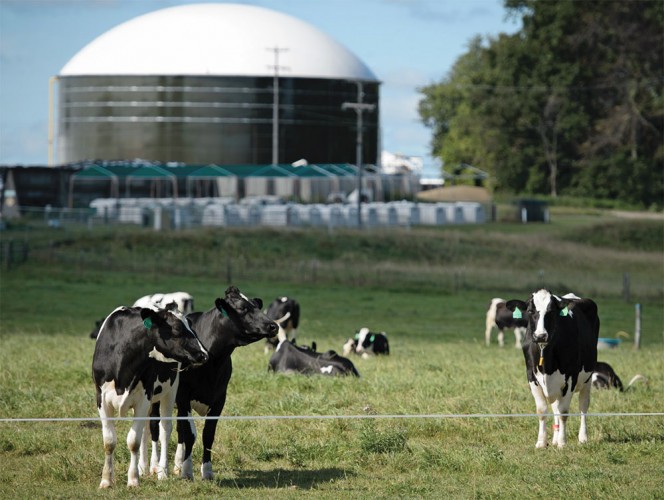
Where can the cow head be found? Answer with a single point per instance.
(172, 337)
(542, 312)
(251, 323)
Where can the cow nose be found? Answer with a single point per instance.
(272, 328)
(201, 357)
(540, 337)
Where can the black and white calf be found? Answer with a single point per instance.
(289, 358)
(560, 351)
(183, 301)
(367, 343)
(499, 317)
(234, 321)
(605, 377)
(286, 312)
(136, 363)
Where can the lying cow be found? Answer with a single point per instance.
(560, 350)
(286, 312)
(289, 358)
(367, 343)
(499, 317)
(605, 377)
(182, 300)
(137, 358)
(234, 321)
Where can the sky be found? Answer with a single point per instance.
(407, 44)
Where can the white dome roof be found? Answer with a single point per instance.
(216, 39)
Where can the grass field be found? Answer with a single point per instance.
(428, 289)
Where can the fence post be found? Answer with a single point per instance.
(626, 291)
(637, 327)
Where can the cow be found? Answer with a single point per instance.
(286, 312)
(497, 316)
(367, 343)
(136, 363)
(560, 350)
(182, 300)
(289, 358)
(605, 377)
(234, 321)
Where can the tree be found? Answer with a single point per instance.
(571, 104)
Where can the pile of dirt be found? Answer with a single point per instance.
(455, 193)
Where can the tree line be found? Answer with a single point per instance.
(572, 104)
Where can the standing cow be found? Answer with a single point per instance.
(138, 355)
(234, 321)
(499, 317)
(560, 351)
(286, 312)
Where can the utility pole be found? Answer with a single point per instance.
(360, 107)
(275, 101)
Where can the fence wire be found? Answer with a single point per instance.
(331, 417)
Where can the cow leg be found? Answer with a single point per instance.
(134, 438)
(584, 404)
(186, 437)
(110, 440)
(143, 469)
(165, 429)
(209, 430)
(154, 435)
(518, 335)
(501, 338)
(541, 405)
(560, 409)
(487, 333)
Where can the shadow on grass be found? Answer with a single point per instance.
(281, 478)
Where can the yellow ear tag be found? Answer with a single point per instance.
(541, 361)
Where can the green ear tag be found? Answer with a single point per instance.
(517, 314)
(357, 336)
(372, 338)
(148, 323)
(564, 311)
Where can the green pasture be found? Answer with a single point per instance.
(427, 288)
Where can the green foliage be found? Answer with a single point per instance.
(569, 105)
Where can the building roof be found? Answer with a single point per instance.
(215, 39)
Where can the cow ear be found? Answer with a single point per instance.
(223, 307)
(257, 302)
(150, 317)
(517, 307)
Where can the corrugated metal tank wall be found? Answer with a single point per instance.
(220, 120)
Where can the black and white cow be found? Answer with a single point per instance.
(289, 358)
(560, 351)
(367, 343)
(605, 377)
(137, 358)
(183, 301)
(286, 312)
(499, 317)
(234, 321)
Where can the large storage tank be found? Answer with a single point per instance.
(195, 84)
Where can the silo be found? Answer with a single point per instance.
(199, 84)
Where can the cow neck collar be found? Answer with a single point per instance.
(541, 346)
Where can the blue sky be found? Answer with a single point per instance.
(406, 43)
